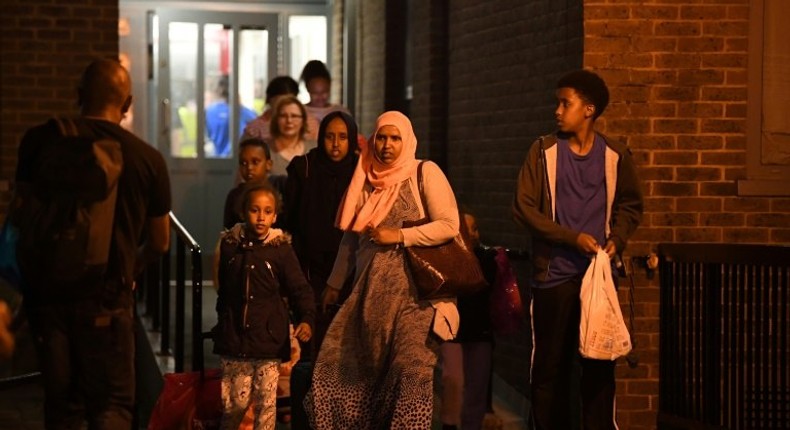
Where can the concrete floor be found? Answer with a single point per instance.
(21, 407)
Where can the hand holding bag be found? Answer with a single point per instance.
(446, 270)
(602, 331)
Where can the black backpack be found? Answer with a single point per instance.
(65, 215)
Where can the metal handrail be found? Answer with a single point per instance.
(156, 284)
(157, 296)
(14, 381)
(512, 253)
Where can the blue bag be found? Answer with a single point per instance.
(8, 267)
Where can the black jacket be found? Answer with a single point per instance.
(254, 276)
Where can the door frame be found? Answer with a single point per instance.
(200, 184)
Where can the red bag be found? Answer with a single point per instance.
(507, 313)
(189, 401)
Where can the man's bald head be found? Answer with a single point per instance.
(105, 90)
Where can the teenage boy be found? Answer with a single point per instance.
(577, 192)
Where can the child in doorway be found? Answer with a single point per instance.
(254, 165)
(257, 263)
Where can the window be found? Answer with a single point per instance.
(768, 118)
(307, 35)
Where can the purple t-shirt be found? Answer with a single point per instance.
(580, 200)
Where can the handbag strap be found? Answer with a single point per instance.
(421, 188)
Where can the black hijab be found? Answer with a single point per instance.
(325, 184)
(321, 158)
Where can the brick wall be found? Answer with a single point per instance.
(430, 79)
(370, 63)
(505, 58)
(483, 85)
(44, 46)
(677, 72)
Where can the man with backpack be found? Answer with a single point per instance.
(91, 205)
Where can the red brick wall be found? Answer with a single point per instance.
(44, 46)
(677, 71)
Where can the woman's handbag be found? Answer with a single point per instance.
(446, 270)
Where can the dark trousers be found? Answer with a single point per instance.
(556, 313)
(477, 383)
(86, 353)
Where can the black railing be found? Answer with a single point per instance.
(724, 336)
(157, 297)
(14, 381)
(158, 306)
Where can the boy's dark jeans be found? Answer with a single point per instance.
(86, 354)
(556, 313)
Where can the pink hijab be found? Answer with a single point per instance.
(385, 178)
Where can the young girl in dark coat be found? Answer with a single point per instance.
(257, 263)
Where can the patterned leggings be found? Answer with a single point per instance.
(246, 382)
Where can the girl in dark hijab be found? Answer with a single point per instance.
(315, 186)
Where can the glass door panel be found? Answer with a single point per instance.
(213, 68)
(253, 70)
(218, 43)
(307, 38)
(183, 40)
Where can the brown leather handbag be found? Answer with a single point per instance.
(446, 270)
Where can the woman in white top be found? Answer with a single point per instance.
(287, 130)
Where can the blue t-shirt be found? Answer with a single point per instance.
(217, 130)
(580, 202)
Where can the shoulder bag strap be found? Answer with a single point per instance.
(421, 188)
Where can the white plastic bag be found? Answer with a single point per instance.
(602, 331)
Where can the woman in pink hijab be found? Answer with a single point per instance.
(375, 367)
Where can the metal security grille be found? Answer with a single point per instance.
(724, 336)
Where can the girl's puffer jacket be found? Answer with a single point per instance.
(255, 277)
